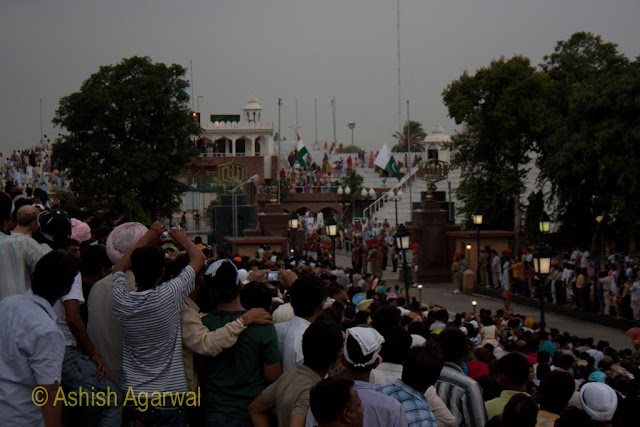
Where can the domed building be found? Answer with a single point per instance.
(436, 144)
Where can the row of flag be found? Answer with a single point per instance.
(384, 159)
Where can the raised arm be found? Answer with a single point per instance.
(196, 256)
(151, 236)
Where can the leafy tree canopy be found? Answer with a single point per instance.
(413, 132)
(351, 149)
(591, 150)
(126, 137)
(497, 107)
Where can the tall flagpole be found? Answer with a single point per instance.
(399, 96)
(333, 113)
(279, 139)
(193, 107)
(410, 165)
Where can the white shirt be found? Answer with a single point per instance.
(584, 261)
(290, 341)
(76, 294)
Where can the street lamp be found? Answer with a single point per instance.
(474, 304)
(545, 223)
(351, 125)
(402, 242)
(294, 223)
(599, 219)
(331, 227)
(395, 198)
(477, 221)
(372, 193)
(420, 293)
(542, 265)
(344, 194)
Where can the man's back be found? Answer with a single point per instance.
(31, 355)
(290, 341)
(290, 393)
(152, 347)
(462, 395)
(19, 255)
(236, 376)
(103, 327)
(416, 407)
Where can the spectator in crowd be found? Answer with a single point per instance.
(19, 254)
(33, 348)
(103, 327)
(461, 394)
(150, 319)
(360, 354)
(556, 388)
(307, 295)
(420, 371)
(289, 395)
(600, 401)
(237, 376)
(513, 374)
(335, 403)
(520, 411)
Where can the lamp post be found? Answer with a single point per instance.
(599, 219)
(395, 198)
(474, 304)
(477, 220)
(420, 293)
(351, 125)
(402, 243)
(331, 227)
(294, 223)
(344, 193)
(542, 263)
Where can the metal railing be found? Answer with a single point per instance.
(380, 201)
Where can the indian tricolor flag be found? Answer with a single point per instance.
(302, 152)
(386, 161)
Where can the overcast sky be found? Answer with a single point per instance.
(287, 48)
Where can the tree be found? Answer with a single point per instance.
(353, 180)
(590, 151)
(497, 107)
(127, 136)
(351, 149)
(415, 133)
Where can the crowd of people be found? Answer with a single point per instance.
(606, 285)
(324, 176)
(156, 329)
(30, 171)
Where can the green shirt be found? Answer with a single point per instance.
(496, 406)
(235, 376)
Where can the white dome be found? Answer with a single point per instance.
(437, 136)
(252, 104)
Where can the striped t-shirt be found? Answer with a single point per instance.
(151, 337)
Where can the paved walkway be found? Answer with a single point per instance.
(441, 293)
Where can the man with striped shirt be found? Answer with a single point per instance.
(150, 318)
(461, 394)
